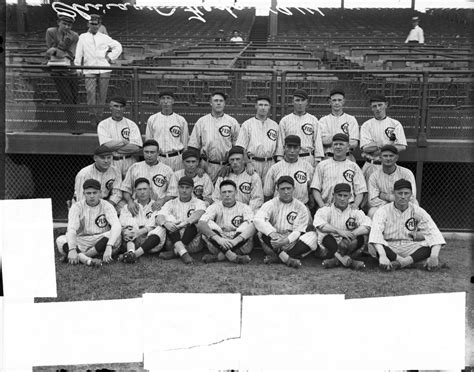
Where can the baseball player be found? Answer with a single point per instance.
(335, 170)
(170, 130)
(338, 122)
(304, 125)
(121, 135)
(249, 187)
(381, 181)
(258, 136)
(213, 135)
(291, 165)
(93, 229)
(203, 187)
(157, 173)
(341, 231)
(280, 223)
(403, 233)
(227, 227)
(108, 176)
(377, 132)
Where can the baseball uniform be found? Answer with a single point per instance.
(301, 171)
(159, 176)
(249, 189)
(331, 125)
(110, 181)
(259, 139)
(392, 228)
(172, 134)
(330, 172)
(379, 181)
(203, 187)
(214, 137)
(125, 129)
(307, 128)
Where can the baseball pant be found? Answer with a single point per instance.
(297, 249)
(96, 97)
(262, 167)
(123, 164)
(174, 162)
(243, 248)
(419, 254)
(84, 242)
(189, 236)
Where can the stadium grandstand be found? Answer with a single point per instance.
(429, 87)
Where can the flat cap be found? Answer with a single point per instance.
(264, 97)
(286, 179)
(340, 137)
(402, 184)
(378, 98)
(300, 93)
(415, 18)
(141, 180)
(119, 99)
(103, 150)
(342, 187)
(91, 184)
(337, 91)
(235, 150)
(166, 93)
(185, 180)
(390, 148)
(293, 140)
(190, 153)
(66, 19)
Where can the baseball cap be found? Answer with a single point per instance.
(390, 148)
(378, 98)
(300, 93)
(402, 184)
(293, 140)
(185, 180)
(66, 19)
(95, 18)
(91, 184)
(190, 153)
(263, 97)
(340, 137)
(235, 150)
(103, 150)
(119, 99)
(141, 180)
(337, 91)
(220, 93)
(166, 93)
(341, 187)
(286, 179)
(415, 18)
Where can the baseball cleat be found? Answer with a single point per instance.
(129, 257)
(187, 259)
(395, 265)
(331, 263)
(94, 262)
(358, 265)
(244, 259)
(168, 255)
(293, 262)
(270, 259)
(346, 261)
(209, 258)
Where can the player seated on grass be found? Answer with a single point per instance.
(403, 233)
(203, 187)
(340, 231)
(93, 229)
(135, 229)
(103, 171)
(280, 223)
(249, 187)
(227, 227)
(381, 181)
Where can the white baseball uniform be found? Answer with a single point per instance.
(110, 182)
(301, 171)
(159, 176)
(331, 125)
(392, 228)
(172, 134)
(308, 129)
(203, 187)
(379, 181)
(214, 137)
(249, 189)
(330, 172)
(259, 139)
(125, 129)
(144, 217)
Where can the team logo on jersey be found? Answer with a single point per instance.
(272, 134)
(101, 221)
(345, 128)
(224, 131)
(307, 129)
(237, 221)
(300, 177)
(126, 133)
(159, 180)
(389, 131)
(351, 223)
(349, 175)
(148, 215)
(198, 191)
(109, 184)
(290, 217)
(190, 212)
(411, 224)
(245, 188)
(175, 131)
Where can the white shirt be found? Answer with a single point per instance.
(93, 49)
(416, 34)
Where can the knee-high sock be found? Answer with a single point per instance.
(391, 255)
(421, 254)
(101, 245)
(189, 234)
(150, 242)
(331, 245)
(298, 249)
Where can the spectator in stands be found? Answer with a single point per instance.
(170, 130)
(220, 36)
(236, 38)
(416, 33)
(96, 49)
(338, 122)
(61, 42)
(121, 135)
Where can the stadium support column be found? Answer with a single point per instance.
(21, 16)
(273, 21)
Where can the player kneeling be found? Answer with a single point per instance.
(93, 229)
(227, 227)
(403, 233)
(280, 223)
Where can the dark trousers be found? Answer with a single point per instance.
(68, 90)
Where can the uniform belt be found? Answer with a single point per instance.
(122, 157)
(376, 162)
(171, 154)
(213, 161)
(307, 153)
(261, 159)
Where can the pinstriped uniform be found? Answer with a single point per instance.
(159, 176)
(110, 182)
(331, 125)
(144, 217)
(214, 137)
(379, 181)
(203, 187)
(301, 171)
(172, 134)
(308, 129)
(260, 140)
(330, 172)
(249, 189)
(392, 227)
